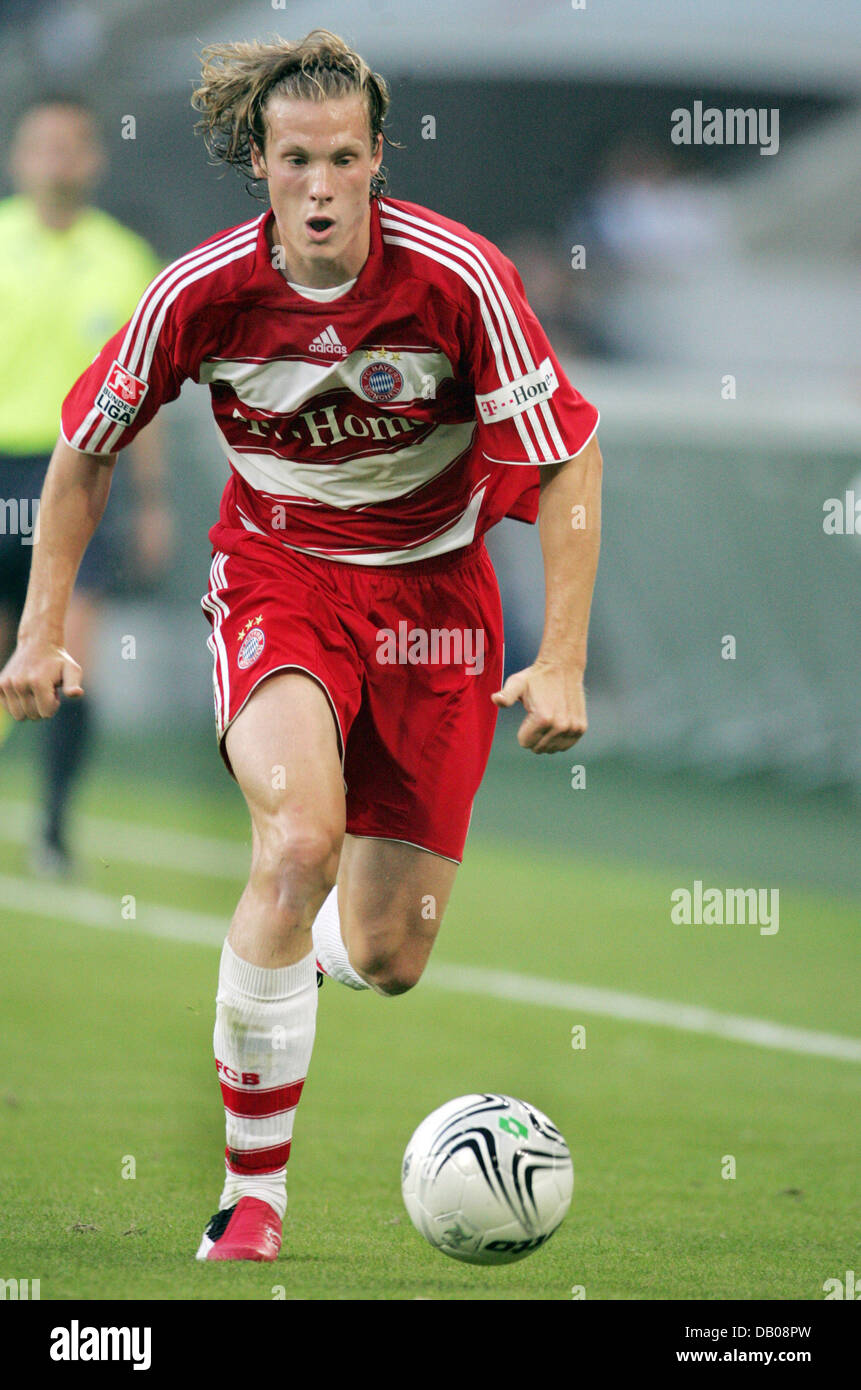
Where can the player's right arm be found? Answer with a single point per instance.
(73, 500)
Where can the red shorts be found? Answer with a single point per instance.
(408, 658)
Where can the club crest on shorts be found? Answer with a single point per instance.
(381, 381)
(252, 640)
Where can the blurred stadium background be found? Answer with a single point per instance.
(715, 324)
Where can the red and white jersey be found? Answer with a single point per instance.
(376, 428)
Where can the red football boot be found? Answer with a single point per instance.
(251, 1230)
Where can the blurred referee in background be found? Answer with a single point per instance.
(70, 276)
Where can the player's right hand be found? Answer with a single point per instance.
(33, 676)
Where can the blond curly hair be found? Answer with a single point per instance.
(238, 79)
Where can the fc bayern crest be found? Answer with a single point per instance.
(252, 647)
(381, 381)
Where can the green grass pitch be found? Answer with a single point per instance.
(106, 1058)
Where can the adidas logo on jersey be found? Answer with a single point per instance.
(328, 342)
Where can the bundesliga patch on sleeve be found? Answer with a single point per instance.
(519, 395)
(121, 395)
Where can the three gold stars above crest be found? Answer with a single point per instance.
(252, 622)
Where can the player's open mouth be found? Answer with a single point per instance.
(318, 228)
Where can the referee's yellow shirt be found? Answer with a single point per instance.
(62, 295)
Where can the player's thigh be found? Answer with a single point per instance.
(391, 897)
(283, 749)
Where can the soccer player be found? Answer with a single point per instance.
(383, 394)
(69, 275)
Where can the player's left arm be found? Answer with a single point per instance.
(569, 521)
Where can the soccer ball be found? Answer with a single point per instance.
(487, 1179)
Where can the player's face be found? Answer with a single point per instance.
(319, 163)
(56, 155)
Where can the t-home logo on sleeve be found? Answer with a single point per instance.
(519, 395)
(121, 395)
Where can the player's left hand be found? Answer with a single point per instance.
(555, 704)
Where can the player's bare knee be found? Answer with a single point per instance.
(296, 862)
(399, 983)
(387, 972)
(393, 982)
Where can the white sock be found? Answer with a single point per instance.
(329, 945)
(264, 1034)
(269, 1187)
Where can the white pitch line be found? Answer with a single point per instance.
(104, 838)
(637, 1008)
(80, 905)
(68, 903)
